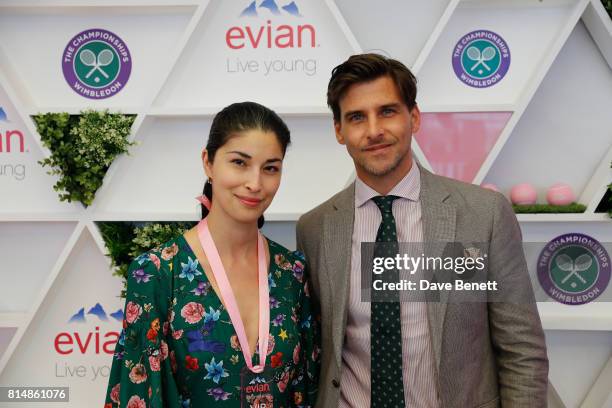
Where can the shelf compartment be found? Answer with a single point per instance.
(564, 133)
(457, 144)
(274, 60)
(529, 43)
(82, 287)
(39, 36)
(30, 248)
(389, 18)
(23, 180)
(141, 193)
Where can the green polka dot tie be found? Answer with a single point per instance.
(387, 386)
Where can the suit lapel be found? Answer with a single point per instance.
(439, 218)
(338, 233)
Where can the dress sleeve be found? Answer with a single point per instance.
(306, 384)
(141, 374)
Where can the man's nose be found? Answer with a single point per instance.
(374, 128)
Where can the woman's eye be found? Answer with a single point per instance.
(272, 169)
(239, 162)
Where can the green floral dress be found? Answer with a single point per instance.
(178, 347)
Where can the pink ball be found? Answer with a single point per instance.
(523, 194)
(560, 194)
(490, 186)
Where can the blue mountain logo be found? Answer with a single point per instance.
(252, 9)
(78, 317)
(257, 380)
(97, 310)
(3, 117)
(118, 315)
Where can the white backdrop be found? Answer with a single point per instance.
(557, 95)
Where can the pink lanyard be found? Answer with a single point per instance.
(230, 300)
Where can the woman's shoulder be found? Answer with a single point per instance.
(164, 254)
(149, 282)
(278, 251)
(288, 264)
(155, 268)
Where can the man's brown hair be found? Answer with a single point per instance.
(368, 67)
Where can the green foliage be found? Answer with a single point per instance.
(126, 240)
(549, 209)
(152, 235)
(608, 6)
(118, 238)
(82, 148)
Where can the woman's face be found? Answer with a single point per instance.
(245, 174)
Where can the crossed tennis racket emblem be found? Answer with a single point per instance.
(90, 59)
(481, 58)
(573, 267)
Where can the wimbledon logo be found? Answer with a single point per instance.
(481, 59)
(574, 269)
(96, 63)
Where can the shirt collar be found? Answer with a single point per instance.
(409, 187)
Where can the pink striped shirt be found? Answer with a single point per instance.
(417, 353)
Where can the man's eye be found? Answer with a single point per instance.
(355, 117)
(388, 111)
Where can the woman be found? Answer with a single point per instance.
(221, 316)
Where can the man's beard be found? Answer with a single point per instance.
(380, 172)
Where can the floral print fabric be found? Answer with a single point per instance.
(178, 347)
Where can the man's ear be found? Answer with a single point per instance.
(339, 136)
(415, 116)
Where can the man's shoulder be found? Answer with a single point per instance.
(316, 214)
(465, 194)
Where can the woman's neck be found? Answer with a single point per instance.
(234, 240)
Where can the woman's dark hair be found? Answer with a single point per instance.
(240, 117)
(368, 67)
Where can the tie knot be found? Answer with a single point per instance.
(385, 203)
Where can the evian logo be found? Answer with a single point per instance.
(91, 341)
(257, 384)
(11, 140)
(271, 34)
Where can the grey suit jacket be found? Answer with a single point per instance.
(486, 354)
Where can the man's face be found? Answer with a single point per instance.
(376, 126)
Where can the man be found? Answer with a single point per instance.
(431, 354)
